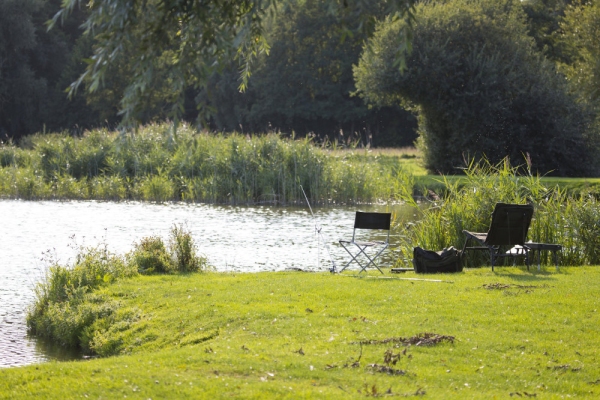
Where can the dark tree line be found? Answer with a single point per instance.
(304, 86)
(513, 77)
(36, 66)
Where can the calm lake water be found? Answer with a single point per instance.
(233, 238)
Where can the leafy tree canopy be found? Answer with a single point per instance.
(184, 40)
(581, 41)
(305, 83)
(544, 17)
(31, 65)
(481, 89)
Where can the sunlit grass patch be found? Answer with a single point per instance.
(332, 336)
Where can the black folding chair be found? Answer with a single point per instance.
(367, 220)
(509, 226)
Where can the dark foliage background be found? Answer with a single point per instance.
(500, 78)
(481, 89)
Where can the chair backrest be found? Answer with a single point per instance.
(510, 223)
(372, 220)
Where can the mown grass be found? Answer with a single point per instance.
(409, 158)
(411, 161)
(297, 335)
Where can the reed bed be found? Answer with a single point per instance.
(159, 164)
(572, 221)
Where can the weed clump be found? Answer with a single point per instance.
(183, 251)
(151, 255)
(65, 303)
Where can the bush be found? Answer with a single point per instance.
(65, 304)
(150, 256)
(481, 89)
(69, 310)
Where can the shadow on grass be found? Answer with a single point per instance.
(533, 276)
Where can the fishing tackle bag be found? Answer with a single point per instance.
(430, 262)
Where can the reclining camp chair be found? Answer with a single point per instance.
(509, 226)
(367, 220)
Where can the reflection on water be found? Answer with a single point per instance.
(234, 238)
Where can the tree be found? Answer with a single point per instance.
(580, 37)
(186, 40)
(32, 66)
(544, 17)
(481, 89)
(22, 93)
(305, 83)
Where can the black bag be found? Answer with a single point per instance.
(428, 261)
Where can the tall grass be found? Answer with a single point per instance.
(158, 164)
(68, 308)
(65, 303)
(573, 222)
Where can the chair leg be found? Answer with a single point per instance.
(371, 260)
(464, 249)
(355, 258)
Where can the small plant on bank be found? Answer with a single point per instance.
(150, 256)
(70, 308)
(183, 251)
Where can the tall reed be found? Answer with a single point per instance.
(573, 222)
(158, 164)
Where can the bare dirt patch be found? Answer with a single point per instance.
(421, 339)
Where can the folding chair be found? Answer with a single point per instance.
(367, 220)
(509, 226)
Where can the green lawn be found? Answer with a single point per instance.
(292, 335)
(411, 160)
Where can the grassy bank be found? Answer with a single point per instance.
(559, 217)
(411, 161)
(290, 335)
(158, 164)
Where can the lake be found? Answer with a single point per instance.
(233, 238)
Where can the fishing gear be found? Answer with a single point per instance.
(320, 237)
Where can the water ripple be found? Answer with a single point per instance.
(234, 238)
